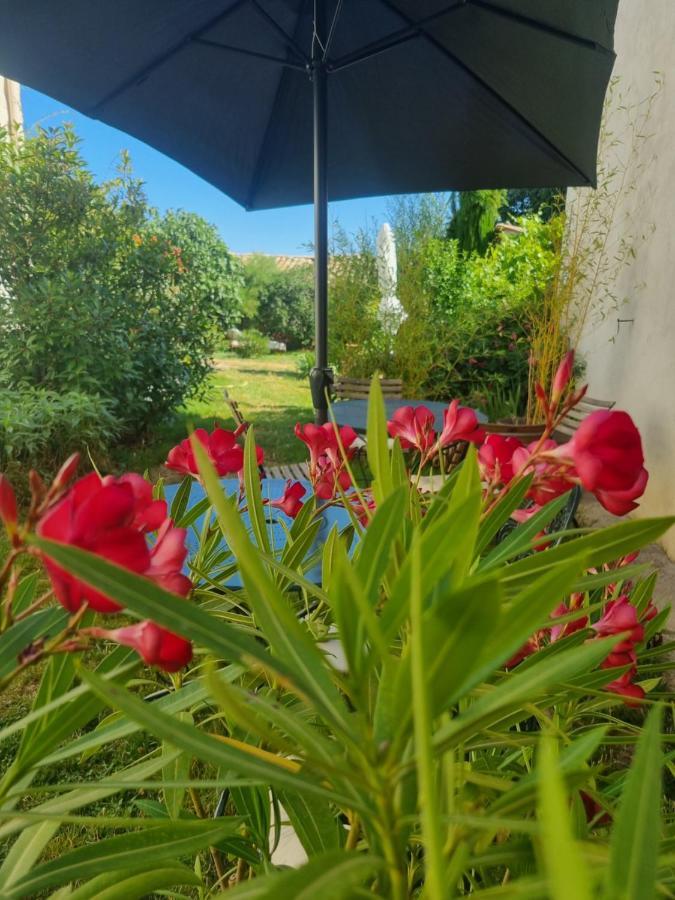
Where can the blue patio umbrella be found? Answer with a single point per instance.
(278, 102)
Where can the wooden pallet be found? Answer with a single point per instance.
(291, 471)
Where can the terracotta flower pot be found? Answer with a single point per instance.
(524, 433)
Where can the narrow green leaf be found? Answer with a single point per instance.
(25, 593)
(520, 539)
(146, 600)
(40, 624)
(523, 687)
(434, 861)
(637, 828)
(376, 444)
(124, 852)
(288, 637)
(501, 511)
(567, 873)
(331, 876)
(597, 548)
(208, 747)
(254, 502)
(78, 798)
(375, 549)
(113, 886)
(314, 822)
(181, 499)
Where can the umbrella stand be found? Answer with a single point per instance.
(321, 376)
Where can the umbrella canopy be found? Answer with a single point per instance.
(279, 102)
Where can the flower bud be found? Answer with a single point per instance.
(65, 474)
(562, 377)
(7, 504)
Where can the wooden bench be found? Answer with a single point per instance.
(576, 416)
(359, 388)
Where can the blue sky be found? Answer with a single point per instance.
(171, 186)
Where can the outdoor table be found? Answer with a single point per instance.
(272, 489)
(355, 412)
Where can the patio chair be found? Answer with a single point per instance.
(359, 388)
(575, 417)
(565, 519)
(292, 472)
(237, 414)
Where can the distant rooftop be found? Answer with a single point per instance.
(285, 263)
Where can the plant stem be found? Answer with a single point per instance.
(215, 853)
(428, 799)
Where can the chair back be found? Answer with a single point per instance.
(576, 416)
(237, 414)
(359, 388)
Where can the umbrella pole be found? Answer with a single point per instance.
(321, 377)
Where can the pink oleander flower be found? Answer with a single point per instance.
(606, 453)
(327, 469)
(460, 424)
(550, 478)
(495, 458)
(111, 517)
(155, 645)
(566, 628)
(620, 615)
(626, 689)
(414, 427)
(290, 503)
(226, 456)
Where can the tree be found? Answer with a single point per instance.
(547, 202)
(474, 216)
(285, 305)
(100, 294)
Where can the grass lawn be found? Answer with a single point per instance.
(270, 393)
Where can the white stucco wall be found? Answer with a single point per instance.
(634, 363)
(10, 105)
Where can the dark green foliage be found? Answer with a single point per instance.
(251, 343)
(100, 294)
(474, 216)
(284, 304)
(40, 428)
(546, 202)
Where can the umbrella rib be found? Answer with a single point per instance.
(262, 154)
(394, 39)
(492, 91)
(145, 70)
(541, 26)
(291, 43)
(253, 53)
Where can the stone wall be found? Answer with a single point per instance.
(629, 348)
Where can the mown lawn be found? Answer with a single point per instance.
(271, 394)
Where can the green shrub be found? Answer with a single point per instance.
(39, 428)
(285, 307)
(469, 315)
(101, 294)
(251, 344)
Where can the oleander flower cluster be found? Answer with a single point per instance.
(122, 520)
